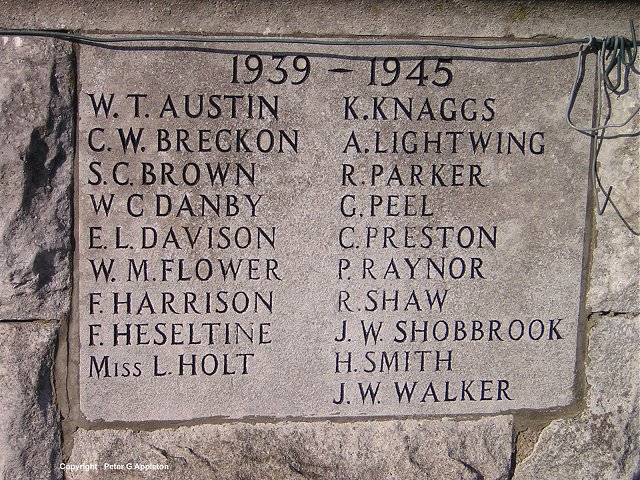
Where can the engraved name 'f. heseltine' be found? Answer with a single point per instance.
(325, 231)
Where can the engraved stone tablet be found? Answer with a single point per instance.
(327, 232)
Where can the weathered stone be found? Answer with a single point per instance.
(602, 442)
(36, 157)
(516, 18)
(364, 450)
(30, 444)
(445, 172)
(615, 273)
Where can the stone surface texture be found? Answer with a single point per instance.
(36, 158)
(534, 200)
(462, 18)
(36, 132)
(615, 272)
(603, 441)
(30, 445)
(321, 450)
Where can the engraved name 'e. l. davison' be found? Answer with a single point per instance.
(392, 231)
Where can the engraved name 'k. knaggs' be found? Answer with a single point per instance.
(387, 231)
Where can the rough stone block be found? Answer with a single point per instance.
(29, 420)
(516, 18)
(36, 158)
(615, 272)
(603, 441)
(322, 450)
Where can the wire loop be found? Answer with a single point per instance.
(615, 55)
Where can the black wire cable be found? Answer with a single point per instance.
(71, 37)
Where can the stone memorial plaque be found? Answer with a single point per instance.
(271, 231)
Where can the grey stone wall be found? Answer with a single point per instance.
(36, 164)
(596, 439)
